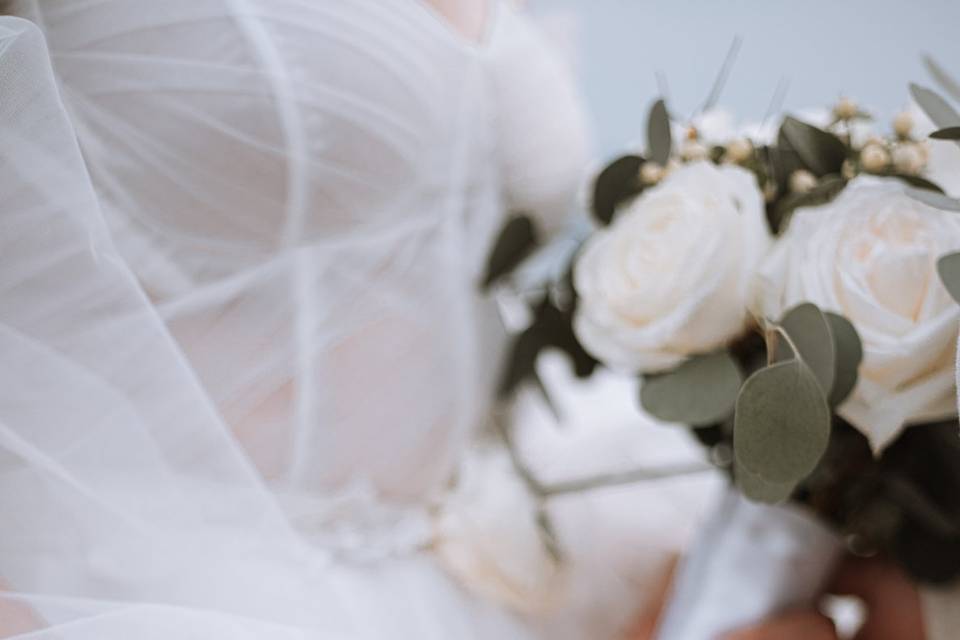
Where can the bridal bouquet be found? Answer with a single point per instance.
(787, 298)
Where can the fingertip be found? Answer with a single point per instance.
(801, 625)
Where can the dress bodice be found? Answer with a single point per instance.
(239, 323)
(307, 192)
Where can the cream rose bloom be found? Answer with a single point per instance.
(487, 536)
(671, 276)
(871, 256)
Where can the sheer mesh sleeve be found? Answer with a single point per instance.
(108, 449)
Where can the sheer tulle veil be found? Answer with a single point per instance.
(86, 430)
(180, 330)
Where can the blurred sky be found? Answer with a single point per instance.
(866, 49)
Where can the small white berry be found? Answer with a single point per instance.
(874, 158)
(903, 124)
(739, 151)
(650, 173)
(802, 181)
(908, 158)
(845, 109)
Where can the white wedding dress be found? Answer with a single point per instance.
(241, 344)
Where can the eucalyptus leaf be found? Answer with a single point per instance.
(545, 395)
(849, 355)
(826, 190)
(618, 181)
(809, 330)
(759, 490)
(934, 199)
(949, 269)
(516, 241)
(556, 327)
(700, 392)
(659, 140)
(936, 108)
(782, 160)
(917, 182)
(782, 423)
(521, 361)
(948, 133)
(820, 151)
(943, 79)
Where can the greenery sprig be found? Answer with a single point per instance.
(765, 405)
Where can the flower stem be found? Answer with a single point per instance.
(578, 485)
(632, 476)
(500, 422)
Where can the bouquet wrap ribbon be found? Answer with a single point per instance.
(751, 561)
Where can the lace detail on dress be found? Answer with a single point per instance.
(356, 524)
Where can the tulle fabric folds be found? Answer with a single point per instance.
(127, 507)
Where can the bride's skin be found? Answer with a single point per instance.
(466, 16)
(891, 599)
(15, 618)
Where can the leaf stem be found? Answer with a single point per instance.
(632, 476)
(565, 487)
(521, 468)
(776, 102)
(722, 76)
(780, 331)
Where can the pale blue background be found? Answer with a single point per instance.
(867, 49)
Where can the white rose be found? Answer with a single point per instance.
(671, 276)
(487, 536)
(871, 256)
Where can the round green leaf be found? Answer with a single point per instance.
(943, 79)
(933, 199)
(820, 151)
(916, 182)
(759, 490)
(782, 423)
(516, 241)
(521, 361)
(808, 328)
(701, 391)
(826, 190)
(658, 133)
(936, 108)
(618, 181)
(849, 355)
(949, 268)
(947, 133)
